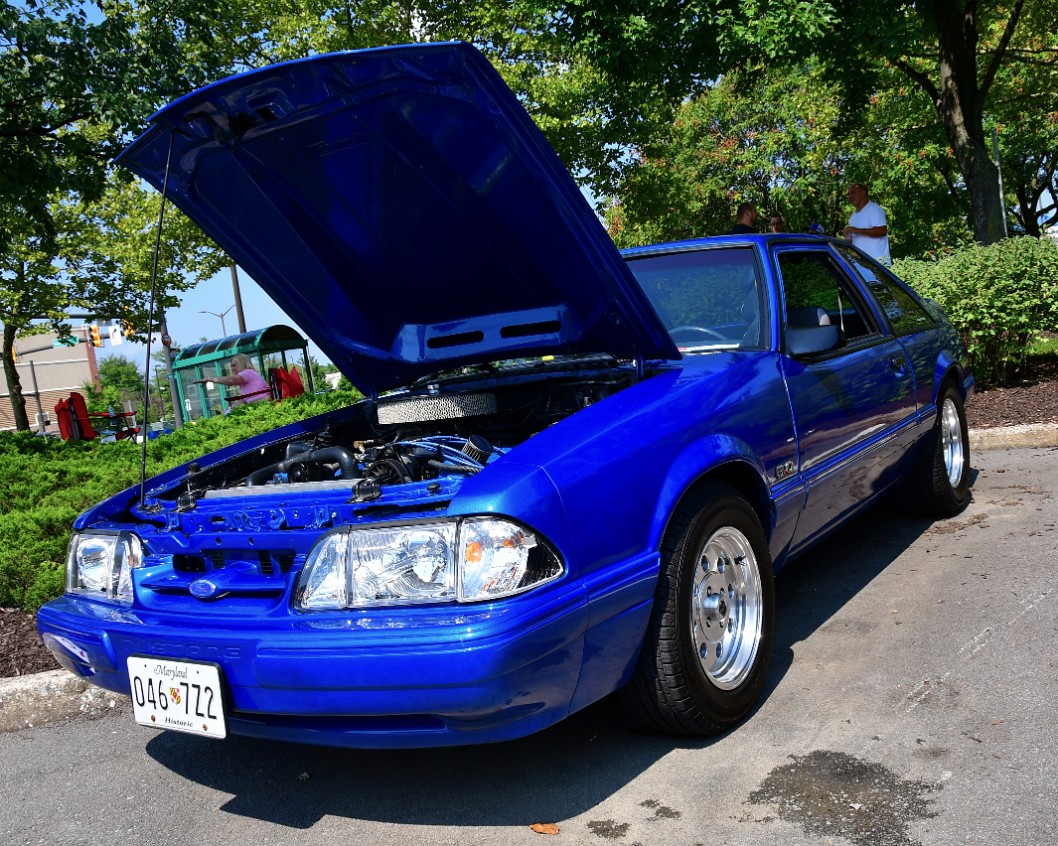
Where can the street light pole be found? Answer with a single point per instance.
(223, 330)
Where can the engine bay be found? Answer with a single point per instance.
(448, 430)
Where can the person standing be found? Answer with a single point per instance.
(746, 218)
(868, 228)
(776, 223)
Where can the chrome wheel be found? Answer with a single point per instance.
(938, 484)
(704, 661)
(726, 608)
(953, 448)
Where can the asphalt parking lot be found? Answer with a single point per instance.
(911, 699)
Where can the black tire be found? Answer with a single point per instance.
(704, 661)
(939, 484)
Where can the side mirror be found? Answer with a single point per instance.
(812, 339)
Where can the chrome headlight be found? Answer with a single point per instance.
(465, 561)
(101, 564)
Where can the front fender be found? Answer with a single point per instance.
(720, 455)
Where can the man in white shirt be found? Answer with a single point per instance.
(867, 227)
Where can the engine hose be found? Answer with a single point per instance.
(343, 456)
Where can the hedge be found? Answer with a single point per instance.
(45, 484)
(1000, 297)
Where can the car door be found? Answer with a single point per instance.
(854, 403)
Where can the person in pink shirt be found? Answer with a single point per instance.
(252, 386)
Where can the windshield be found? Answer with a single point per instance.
(707, 299)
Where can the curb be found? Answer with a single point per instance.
(1014, 437)
(54, 696)
(58, 695)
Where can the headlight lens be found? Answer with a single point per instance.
(101, 564)
(467, 561)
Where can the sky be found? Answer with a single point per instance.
(192, 322)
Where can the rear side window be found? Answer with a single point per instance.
(905, 313)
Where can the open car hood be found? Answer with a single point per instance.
(401, 206)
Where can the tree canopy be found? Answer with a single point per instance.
(78, 79)
(950, 51)
(774, 137)
(675, 111)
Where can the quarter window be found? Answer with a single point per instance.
(905, 313)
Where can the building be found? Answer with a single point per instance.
(48, 372)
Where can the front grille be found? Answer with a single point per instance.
(268, 563)
(275, 562)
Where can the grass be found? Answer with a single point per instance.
(1042, 361)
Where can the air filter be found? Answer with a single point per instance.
(444, 407)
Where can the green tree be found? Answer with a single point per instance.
(1024, 114)
(75, 76)
(100, 260)
(556, 82)
(773, 137)
(28, 292)
(120, 381)
(950, 50)
(111, 248)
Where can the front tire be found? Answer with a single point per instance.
(940, 482)
(705, 656)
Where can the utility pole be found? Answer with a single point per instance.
(238, 299)
(174, 394)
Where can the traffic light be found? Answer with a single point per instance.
(96, 340)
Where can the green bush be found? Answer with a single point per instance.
(1000, 297)
(45, 484)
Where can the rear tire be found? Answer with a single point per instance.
(939, 485)
(705, 656)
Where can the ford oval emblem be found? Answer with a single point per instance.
(203, 589)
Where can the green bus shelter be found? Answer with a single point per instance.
(268, 349)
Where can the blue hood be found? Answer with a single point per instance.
(401, 206)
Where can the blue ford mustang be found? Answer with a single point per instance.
(574, 471)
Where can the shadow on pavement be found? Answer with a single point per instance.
(816, 586)
(554, 775)
(557, 774)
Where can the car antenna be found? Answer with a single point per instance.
(150, 317)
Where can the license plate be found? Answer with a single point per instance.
(177, 695)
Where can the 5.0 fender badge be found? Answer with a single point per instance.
(785, 470)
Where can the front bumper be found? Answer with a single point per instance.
(409, 677)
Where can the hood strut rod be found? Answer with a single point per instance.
(150, 319)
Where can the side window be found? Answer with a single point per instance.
(905, 312)
(817, 292)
